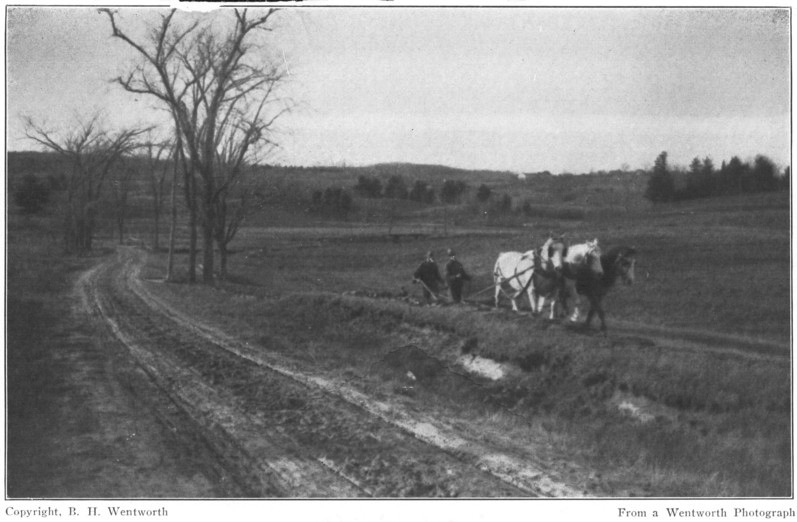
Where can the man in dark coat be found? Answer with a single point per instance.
(428, 274)
(456, 276)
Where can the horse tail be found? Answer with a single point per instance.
(497, 275)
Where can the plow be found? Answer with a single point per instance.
(441, 297)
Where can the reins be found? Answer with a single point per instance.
(517, 274)
(506, 280)
(545, 273)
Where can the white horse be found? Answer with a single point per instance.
(514, 269)
(546, 279)
(517, 270)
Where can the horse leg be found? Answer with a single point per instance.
(601, 315)
(570, 298)
(574, 315)
(596, 307)
(540, 303)
(553, 308)
(497, 291)
(513, 297)
(532, 299)
(589, 317)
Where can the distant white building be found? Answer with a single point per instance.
(521, 177)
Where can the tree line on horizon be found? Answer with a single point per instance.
(396, 188)
(149, 165)
(337, 201)
(703, 180)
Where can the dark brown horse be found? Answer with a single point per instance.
(618, 262)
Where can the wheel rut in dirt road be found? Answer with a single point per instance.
(240, 447)
(84, 420)
(283, 433)
(690, 339)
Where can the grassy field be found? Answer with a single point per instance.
(338, 295)
(724, 268)
(720, 425)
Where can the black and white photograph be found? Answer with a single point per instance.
(511, 257)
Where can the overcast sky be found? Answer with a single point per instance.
(522, 89)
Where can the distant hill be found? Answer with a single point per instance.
(604, 189)
(435, 172)
(347, 175)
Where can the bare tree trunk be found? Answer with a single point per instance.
(155, 238)
(157, 179)
(207, 253)
(220, 234)
(208, 221)
(69, 222)
(173, 227)
(120, 225)
(190, 199)
(192, 235)
(222, 261)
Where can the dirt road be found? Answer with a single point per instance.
(265, 428)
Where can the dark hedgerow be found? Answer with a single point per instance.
(32, 194)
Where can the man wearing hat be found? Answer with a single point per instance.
(456, 276)
(429, 275)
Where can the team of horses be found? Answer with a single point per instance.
(561, 274)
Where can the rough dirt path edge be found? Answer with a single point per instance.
(680, 339)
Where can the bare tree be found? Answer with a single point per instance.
(173, 228)
(160, 155)
(230, 214)
(238, 136)
(91, 152)
(188, 169)
(120, 190)
(221, 95)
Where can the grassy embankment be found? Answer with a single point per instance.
(38, 281)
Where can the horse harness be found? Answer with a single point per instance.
(544, 272)
(536, 265)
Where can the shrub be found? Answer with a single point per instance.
(452, 190)
(395, 188)
(368, 187)
(483, 194)
(332, 202)
(421, 192)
